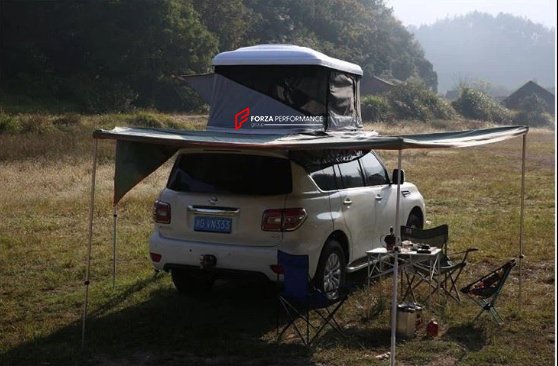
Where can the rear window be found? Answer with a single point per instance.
(231, 173)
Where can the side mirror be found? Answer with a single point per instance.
(394, 176)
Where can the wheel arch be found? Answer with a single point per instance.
(417, 211)
(342, 238)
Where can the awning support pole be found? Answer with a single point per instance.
(89, 243)
(395, 264)
(522, 217)
(115, 219)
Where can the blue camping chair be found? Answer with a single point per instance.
(300, 300)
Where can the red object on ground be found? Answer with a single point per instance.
(432, 328)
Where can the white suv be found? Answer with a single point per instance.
(226, 213)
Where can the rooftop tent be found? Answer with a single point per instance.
(281, 89)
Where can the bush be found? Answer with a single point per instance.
(474, 104)
(533, 119)
(148, 119)
(35, 123)
(375, 108)
(413, 100)
(532, 112)
(67, 122)
(9, 123)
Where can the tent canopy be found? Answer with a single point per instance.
(280, 89)
(140, 151)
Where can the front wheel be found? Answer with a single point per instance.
(414, 221)
(330, 274)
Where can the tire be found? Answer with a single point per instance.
(415, 221)
(330, 274)
(192, 283)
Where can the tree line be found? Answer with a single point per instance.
(504, 50)
(113, 55)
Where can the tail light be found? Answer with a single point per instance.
(286, 219)
(155, 257)
(277, 269)
(162, 212)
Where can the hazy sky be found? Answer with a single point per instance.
(417, 12)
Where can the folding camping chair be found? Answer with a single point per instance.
(299, 299)
(449, 270)
(485, 291)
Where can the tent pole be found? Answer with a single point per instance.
(89, 243)
(522, 216)
(395, 264)
(115, 219)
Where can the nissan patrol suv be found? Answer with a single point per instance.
(225, 213)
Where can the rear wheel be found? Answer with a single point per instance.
(190, 282)
(330, 274)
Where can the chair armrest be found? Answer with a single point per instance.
(468, 250)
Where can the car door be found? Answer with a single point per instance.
(385, 197)
(356, 206)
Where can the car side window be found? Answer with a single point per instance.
(351, 174)
(374, 172)
(325, 179)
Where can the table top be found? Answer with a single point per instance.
(405, 251)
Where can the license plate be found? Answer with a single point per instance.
(212, 224)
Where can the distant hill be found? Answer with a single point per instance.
(503, 50)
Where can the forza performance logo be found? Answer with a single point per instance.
(241, 118)
(256, 121)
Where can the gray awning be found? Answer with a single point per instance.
(140, 151)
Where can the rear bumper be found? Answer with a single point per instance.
(232, 260)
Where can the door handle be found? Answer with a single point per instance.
(347, 201)
(379, 197)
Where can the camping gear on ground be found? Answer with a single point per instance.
(300, 300)
(408, 315)
(449, 270)
(485, 291)
(432, 328)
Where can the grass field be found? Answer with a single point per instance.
(45, 181)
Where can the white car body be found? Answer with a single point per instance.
(358, 218)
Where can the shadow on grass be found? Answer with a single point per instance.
(233, 324)
(471, 338)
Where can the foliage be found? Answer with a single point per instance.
(119, 55)
(532, 111)
(504, 50)
(376, 108)
(104, 55)
(413, 100)
(475, 104)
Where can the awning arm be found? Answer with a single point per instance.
(89, 243)
(522, 216)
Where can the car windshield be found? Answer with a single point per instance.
(231, 173)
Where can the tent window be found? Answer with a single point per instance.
(301, 87)
(233, 174)
(342, 94)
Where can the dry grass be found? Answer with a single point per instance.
(142, 321)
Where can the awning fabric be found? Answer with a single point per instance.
(140, 151)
